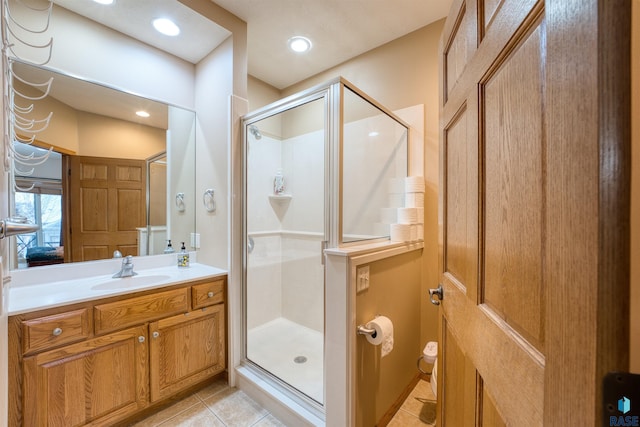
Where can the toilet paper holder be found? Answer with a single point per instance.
(363, 330)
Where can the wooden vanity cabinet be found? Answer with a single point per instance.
(186, 349)
(71, 368)
(96, 381)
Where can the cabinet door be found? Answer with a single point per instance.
(186, 349)
(95, 382)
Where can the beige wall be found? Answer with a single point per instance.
(100, 136)
(393, 289)
(635, 188)
(261, 93)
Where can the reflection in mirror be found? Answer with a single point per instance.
(113, 177)
(154, 235)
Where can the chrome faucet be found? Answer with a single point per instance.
(127, 268)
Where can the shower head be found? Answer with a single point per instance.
(253, 129)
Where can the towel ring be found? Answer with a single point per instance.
(180, 202)
(208, 200)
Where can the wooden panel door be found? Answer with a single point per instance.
(534, 128)
(107, 204)
(95, 382)
(186, 349)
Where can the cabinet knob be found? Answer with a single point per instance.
(156, 334)
(57, 331)
(141, 338)
(210, 294)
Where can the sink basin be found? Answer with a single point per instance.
(128, 282)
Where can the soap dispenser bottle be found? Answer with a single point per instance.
(169, 249)
(183, 257)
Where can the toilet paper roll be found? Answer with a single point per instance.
(400, 232)
(414, 200)
(414, 184)
(383, 335)
(413, 232)
(408, 215)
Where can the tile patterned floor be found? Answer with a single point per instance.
(219, 405)
(418, 409)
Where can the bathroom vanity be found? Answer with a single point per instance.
(103, 360)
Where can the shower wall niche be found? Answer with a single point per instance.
(340, 154)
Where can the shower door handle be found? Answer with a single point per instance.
(250, 244)
(323, 246)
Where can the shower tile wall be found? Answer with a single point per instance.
(291, 230)
(303, 168)
(303, 282)
(264, 302)
(284, 269)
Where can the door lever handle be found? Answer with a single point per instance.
(438, 292)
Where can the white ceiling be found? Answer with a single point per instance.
(82, 96)
(198, 37)
(339, 29)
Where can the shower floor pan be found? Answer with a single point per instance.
(292, 352)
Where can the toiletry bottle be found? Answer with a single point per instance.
(183, 257)
(278, 183)
(169, 249)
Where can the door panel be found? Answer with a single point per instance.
(459, 381)
(534, 205)
(460, 234)
(490, 415)
(514, 188)
(107, 204)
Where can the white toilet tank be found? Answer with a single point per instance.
(434, 378)
(430, 355)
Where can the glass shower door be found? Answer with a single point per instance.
(285, 231)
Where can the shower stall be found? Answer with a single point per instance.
(321, 171)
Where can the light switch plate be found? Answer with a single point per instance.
(195, 240)
(362, 278)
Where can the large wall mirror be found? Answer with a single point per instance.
(114, 181)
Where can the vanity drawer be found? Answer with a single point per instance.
(206, 294)
(120, 314)
(50, 331)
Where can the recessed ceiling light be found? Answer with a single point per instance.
(104, 1)
(374, 133)
(299, 44)
(166, 26)
(142, 113)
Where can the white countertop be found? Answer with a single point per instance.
(58, 285)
